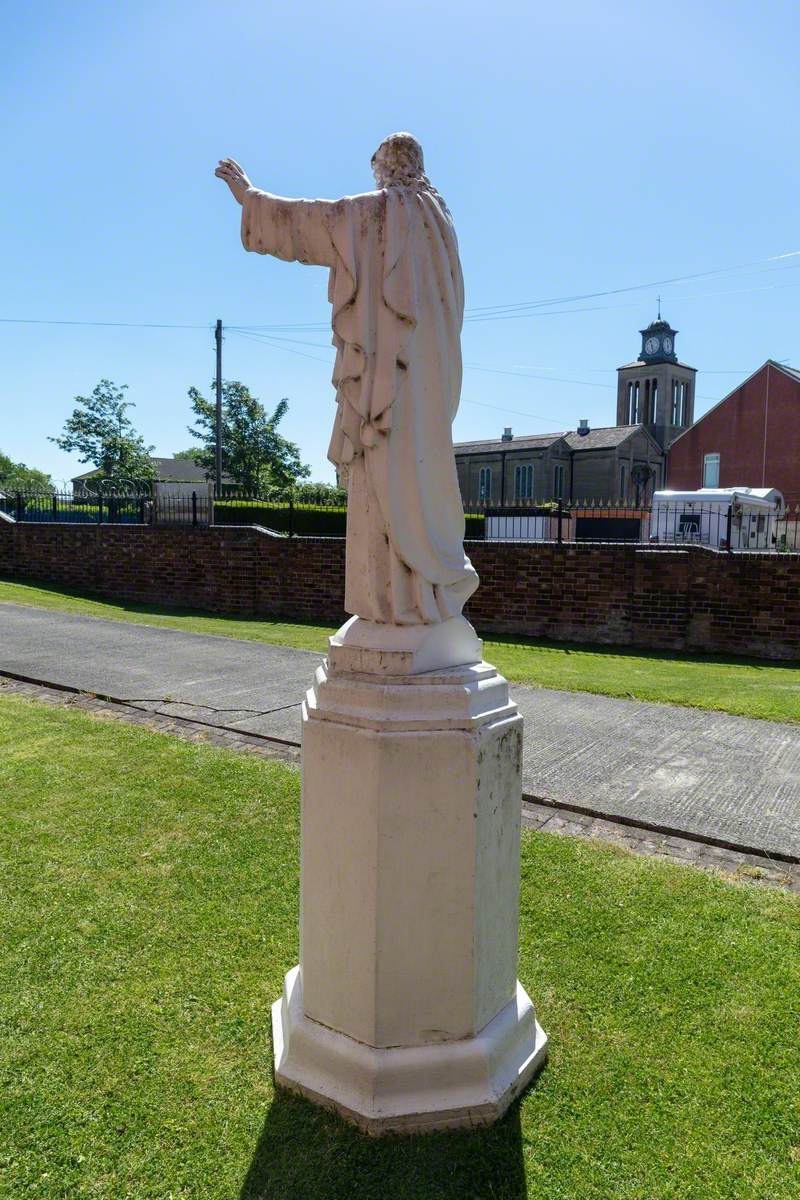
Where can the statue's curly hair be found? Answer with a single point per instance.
(403, 165)
(402, 159)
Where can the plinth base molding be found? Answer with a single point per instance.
(408, 1089)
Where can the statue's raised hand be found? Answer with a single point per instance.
(234, 176)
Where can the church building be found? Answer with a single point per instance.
(619, 464)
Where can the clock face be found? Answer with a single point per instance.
(651, 345)
(667, 344)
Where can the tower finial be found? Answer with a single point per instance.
(659, 308)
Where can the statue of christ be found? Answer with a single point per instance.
(397, 297)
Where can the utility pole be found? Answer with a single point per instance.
(218, 422)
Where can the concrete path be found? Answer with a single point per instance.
(705, 774)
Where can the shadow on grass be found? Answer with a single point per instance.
(305, 1153)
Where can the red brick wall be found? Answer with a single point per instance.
(757, 438)
(687, 599)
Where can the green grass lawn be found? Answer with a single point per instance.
(746, 687)
(149, 912)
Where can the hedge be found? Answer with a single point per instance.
(305, 520)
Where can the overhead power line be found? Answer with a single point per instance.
(265, 339)
(515, 412)
(524, 374)
(479, 313)
(636, 287)
(110, 324)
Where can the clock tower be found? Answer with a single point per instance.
(657, 390)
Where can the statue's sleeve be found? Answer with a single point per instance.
(294, 230)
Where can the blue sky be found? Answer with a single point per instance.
(581, 147)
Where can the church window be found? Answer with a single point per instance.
(633, 402)
(652, 417)
(622, 481)
(523, 483)
(710, 470)
(558, 481)
(485, 483)
(676, 404)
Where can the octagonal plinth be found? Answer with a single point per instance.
(405, 1011)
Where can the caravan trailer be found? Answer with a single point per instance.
(710, 516)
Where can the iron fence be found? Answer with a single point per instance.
(738, 526)
(144, 508)
(73, 510)
(187, 506)
(744, 524)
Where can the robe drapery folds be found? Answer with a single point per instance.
(397, 296)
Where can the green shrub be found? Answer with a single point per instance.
(305, 520)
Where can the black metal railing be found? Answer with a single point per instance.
(85, 509)
(110, 508)
(737, 526)
(170, 506)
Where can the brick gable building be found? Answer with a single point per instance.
(749, 439)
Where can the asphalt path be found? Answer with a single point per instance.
(702, 773)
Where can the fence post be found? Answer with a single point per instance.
(99, 508)
(291, 516)
(194, 508)
(18, 505)
(560, 532)
(54, 506)
(729, 527)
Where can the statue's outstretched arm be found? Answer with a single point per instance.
(298, 230)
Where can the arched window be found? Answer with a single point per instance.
(680, 402)
(634, 392)
(485, 484)
(523, 482)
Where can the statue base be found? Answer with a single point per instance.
(405, 1013)
(408, 1089)
(370, 648)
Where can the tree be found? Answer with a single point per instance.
(253, 452)
(16, 477)
(321, 493)
(101, 432)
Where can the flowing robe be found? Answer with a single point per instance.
(397, 296)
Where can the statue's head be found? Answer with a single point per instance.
(398, 160)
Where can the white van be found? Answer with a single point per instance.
(701, 517)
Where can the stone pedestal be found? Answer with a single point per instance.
(405, 1012)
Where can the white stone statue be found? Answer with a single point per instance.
(404, 1012)
(397, 295)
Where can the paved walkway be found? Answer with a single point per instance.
(705, 774)
(751, 868)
